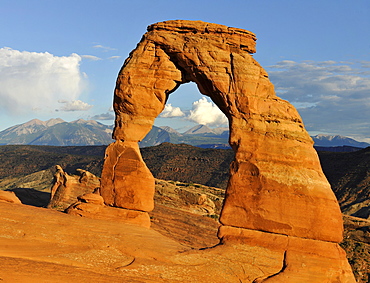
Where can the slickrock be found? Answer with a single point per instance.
(44, 245)
(276, 184)
(92, 206)
(304, 260)
(66, 188)
(7, 196)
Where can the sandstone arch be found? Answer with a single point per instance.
(276, 182)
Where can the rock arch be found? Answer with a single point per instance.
(276, 182)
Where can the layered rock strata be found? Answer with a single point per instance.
(92, 205)
(66, 188)
(276, 184)
(126, 181)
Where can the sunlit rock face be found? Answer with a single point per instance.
(126, 181)
(7, 196)
(66, 188)
(276, 184)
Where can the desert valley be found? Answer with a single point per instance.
(252, 203)
(181, 180)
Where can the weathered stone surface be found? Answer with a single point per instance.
(304, 260)
(42, 245)
(11, 197)
(276, 183)
(66, 188)
(92, 206)
(91, 198)
(126, 181)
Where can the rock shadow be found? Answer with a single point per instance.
(31, 196)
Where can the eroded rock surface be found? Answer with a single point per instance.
(276, 184)
(7, 196)
(126, 181)
(66, 188)
(92, 206)
(43, 245)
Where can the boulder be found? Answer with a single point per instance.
(91, 198)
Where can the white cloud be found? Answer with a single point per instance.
(332, 97)
(104, 48)
(114, 57)
(32, 81)
(91, 57)
(103, 116)
(169, 112)
(74, 105)
(205, 112)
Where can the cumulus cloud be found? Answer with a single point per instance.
(32, 81)
(103, 116)
(74, 105)
(205, 112)
(332, 97)
(170, 112)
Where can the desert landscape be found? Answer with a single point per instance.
(177, 214)
(263, 211)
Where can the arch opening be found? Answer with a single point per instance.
(275, 163)
(193, 177)
(186, 107)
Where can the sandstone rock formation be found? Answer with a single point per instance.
(92, 206)
(7, 196)
(44, 245)
(276, 187)
(66, 188)
(126, 181)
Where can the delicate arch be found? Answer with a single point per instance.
(276, 182)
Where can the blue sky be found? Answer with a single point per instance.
(61, 58)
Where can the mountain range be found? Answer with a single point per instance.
(330, 140)
(57, 132)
